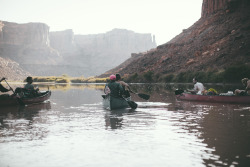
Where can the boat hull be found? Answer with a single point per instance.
(112, 103)
(216, 98)
(11, 101)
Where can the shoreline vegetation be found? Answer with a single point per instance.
(67, 79)
(233, 74)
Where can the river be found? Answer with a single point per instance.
(73, 129)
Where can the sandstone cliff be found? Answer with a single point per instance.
(45, 53)
(219, 39)
(90, 55)
(27, 44)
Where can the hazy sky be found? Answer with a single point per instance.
(163, 18)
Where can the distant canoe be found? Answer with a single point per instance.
(111, 103)
(215, 98)
(12, 100)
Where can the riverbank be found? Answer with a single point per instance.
(233, 74)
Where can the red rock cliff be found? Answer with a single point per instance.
(210, 7)
(219, 39)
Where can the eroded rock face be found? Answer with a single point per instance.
(11, 70)
(26, 43)
(41, 52)
(219, 39)
(210, 7)
(35, 34)
(96, 53)
(63, 41)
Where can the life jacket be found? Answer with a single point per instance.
(116, 89)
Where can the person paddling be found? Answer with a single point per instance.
(125, 86)
(198, 87)
(30, 88)
(246, 83)
(113, 88)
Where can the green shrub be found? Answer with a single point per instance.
(148, 76)
(132, 78)
(236, 73)
(168, 78)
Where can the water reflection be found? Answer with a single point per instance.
(224, 128)
(114, 119)
(161, 131)
(19, 123)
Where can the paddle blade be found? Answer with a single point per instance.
(132, 104)
(3, 89)
(144, 96)
(178, 92)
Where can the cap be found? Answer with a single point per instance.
(112, 77)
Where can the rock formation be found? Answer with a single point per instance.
(90, 55)
(11, 70)
(27, 44)
(219, 39)
(45, 53)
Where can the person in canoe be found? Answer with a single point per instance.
(113, 88)
(125, 86)
(30, 89)
(198, 89)
(246, 83)
(2, 88)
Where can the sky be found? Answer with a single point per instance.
(163, 18)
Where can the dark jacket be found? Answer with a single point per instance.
(115, 88)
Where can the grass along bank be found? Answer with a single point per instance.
(67, 79)
(233, 74)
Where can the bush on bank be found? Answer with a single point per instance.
(233, 74)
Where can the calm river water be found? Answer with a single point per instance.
(73, 129)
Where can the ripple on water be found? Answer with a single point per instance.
(155, 134)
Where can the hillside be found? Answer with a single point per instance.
(11, 70)
(218, 40)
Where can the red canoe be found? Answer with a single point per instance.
(13, 100)
(215, 98)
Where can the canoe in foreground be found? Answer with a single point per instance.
(215, 98)
(13, 100)
(111, 103)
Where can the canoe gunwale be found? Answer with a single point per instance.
(13, 100)
(214, 98)
(112, 103)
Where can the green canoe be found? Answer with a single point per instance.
(111, 103)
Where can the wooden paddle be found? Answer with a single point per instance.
(141, 95)
(18, 99)
(131, 103)
(178, 91)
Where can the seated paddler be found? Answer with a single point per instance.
(113, 88)
(246, 84)
(30, 89)
(198, 87)
(125, 86)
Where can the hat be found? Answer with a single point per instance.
(29, 79)
(112, 77)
